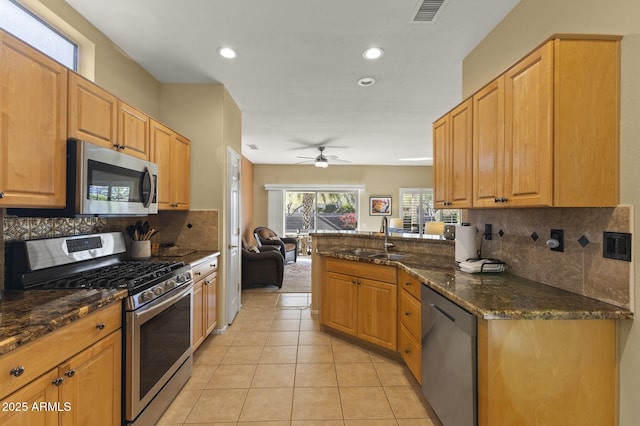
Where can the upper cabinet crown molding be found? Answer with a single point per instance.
(546, 131)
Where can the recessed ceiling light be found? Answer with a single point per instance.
(227, 52)
(373, 53)
(366, 81)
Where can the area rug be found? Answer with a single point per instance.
(297, 278)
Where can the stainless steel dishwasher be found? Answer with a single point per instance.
(449, 359)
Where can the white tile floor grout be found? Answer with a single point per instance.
(273, 366)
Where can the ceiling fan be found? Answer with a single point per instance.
(322, 160)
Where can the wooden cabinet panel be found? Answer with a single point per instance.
(488, 144)
(453, 144)
(198, 315)
(410, 284)
(80, 376)
(92, 384)
(547, 372)
(205, 299)
(356, 300)
(341, 303)
(210, 295)
(93, 112)
(133, 131)
(528, 137)
(32, 158)
(411, 352)
(172, 152)
(181, 172)
(20, 405)
(377, 312)
(410, 314)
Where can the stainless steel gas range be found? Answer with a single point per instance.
(157, 313)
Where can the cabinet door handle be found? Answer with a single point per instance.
(407, 351)
(57, 382)
(407, 313)
(17, 372)
(408, 283)
(70, 373)
(101, 326)
(1, 194)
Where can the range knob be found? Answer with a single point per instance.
(145, 296)
(158, 291)
(170, 285)
(181, 278)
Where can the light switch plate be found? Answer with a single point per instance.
(616, 245)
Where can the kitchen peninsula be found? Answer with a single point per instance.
(541, 351)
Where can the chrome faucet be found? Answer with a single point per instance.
(384, 228)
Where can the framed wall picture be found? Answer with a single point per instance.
(379, 206)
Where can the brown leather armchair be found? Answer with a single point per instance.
(265, 267)
(288, 246)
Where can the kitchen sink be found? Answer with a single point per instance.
(375, 254)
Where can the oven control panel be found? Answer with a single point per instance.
(160, 289)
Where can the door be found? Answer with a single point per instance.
(233, 235)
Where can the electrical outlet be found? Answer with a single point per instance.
(558, 235)
(487, 231)
(616, 245)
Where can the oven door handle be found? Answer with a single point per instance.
(150, 311)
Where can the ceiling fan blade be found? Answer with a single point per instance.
(309, 158)
(338, 160)
(306, 161)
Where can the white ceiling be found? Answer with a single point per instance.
(298, 63)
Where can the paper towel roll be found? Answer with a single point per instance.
(466, 246)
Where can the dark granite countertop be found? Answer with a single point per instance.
(496, 295)
(28, 315)
(192, 256)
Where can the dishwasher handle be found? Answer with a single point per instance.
(442, 311)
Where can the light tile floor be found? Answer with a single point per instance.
(274, 366)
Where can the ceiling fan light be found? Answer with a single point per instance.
(321, 162)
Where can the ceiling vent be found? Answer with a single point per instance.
(428, 11)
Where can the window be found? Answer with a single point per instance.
(320, 210)
(20, 22)
(416, 205)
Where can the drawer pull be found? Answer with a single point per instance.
(1, 194)
(407, 351)
(407, 313)
(198, 273)
(101, 326)
(17, 372)
(70, 373)
(58, 381)
(408, 283)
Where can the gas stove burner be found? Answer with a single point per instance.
(125, 275)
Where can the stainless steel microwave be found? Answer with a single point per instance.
(104, 182)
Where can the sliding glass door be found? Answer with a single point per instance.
(308, 211)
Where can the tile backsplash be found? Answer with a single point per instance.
(519, 239)
(190, 229)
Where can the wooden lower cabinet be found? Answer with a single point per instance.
(205, 299)
(546, 372)
(410, 320)
(360, 299)
(84, 389)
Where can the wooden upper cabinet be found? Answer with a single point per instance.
(528, 136)
(453, 158)
(172, 152)
(33, 126)
(93, 112)
(488, 144)
(133, 131)
(546, 132)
